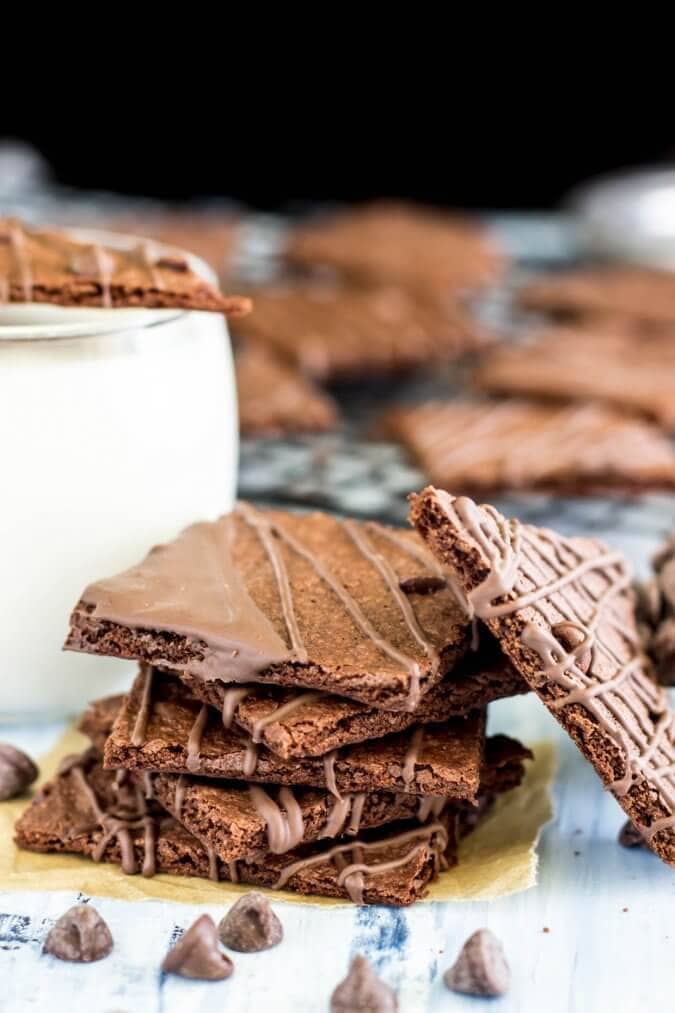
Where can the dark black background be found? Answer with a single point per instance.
(511, 145)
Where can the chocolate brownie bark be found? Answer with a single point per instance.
(335, 333)
(488, 446)
(43, 266)
(563, 610)
(160, 728)
(79, 812)
(243, 820)
(274, 597)
(633, 293)
(398, 243)
(295, 723)
(630, 371)
(275, 399)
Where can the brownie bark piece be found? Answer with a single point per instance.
(160, 728)
(628, 370)
(483, 447)
(98, 719)
(630, 292)
(398, 243)
(275, 399)
(336, 333)
(212, 235)
(295, 723)
(241, 821)
(656, 610)
(81, 812)
(44, 266)
(563, 610)
(268, 596)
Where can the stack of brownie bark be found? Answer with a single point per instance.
(309, 713)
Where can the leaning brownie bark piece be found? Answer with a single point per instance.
(79, 813)
(563, 611)
(161, 728)
(294, 723)
(269, 596)
(43, 266)
(487, 446)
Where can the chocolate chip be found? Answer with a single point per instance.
(81, 935)
(250, 925)
(481, 967)
(173, 264)
(571, 637)
(630, 837)
(17, 771)
(362, 991)
(422, 585)
(197, 954)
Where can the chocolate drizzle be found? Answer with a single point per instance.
(120, 823)
(412, 754)
(268, 528)
(141, 723)
(285, 829)
(195, 739)
(264, 530)
(353, 873)
(231, 699)
(357, 812)
(329, 770)
(283, 711)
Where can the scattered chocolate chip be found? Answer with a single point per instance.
(481, 967)
(197, 954)
(629, 837)
(81, 935)
(546, 929)
(422, 585)
(250, 925)
(624, 909)
(17, 771)
(173, 264)
(362, 991)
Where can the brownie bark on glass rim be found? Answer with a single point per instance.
(78, 813)
(563, 610)
(46, 266)
(275, 399)
(160, 728)
(268, 596)
(630, 371)
(294, 722)
(335, 333)
(487, 446)
(398, 243)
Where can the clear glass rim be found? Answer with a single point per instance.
(137, 318)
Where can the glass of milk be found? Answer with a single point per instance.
(119, 428)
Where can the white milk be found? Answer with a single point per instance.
(111, 441)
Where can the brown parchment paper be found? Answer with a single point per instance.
(498, 858)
